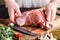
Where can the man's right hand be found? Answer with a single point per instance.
(13, 10)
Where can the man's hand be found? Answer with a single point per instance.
(13, 10)
(50, 11)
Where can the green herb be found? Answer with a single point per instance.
(6, 33)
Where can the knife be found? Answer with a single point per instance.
(24, 31)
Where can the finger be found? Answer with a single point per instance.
(49, 25)
(11, 14)
(48, 13)
(53, 15)
(18, 12)
(16, 15)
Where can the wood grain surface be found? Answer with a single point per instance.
(29, 28)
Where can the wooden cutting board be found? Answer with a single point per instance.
(33, 29)
(29, 28)
(36, 30)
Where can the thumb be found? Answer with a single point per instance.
(18, 12)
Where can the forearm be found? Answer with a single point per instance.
(52, 7)
(7, 2)
(55, 1)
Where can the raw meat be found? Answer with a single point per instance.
(33, 17)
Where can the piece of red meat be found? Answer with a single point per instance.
(36, 17)
(33, 17)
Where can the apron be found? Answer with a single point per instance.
(32, 3)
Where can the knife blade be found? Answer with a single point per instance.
(24, 31)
